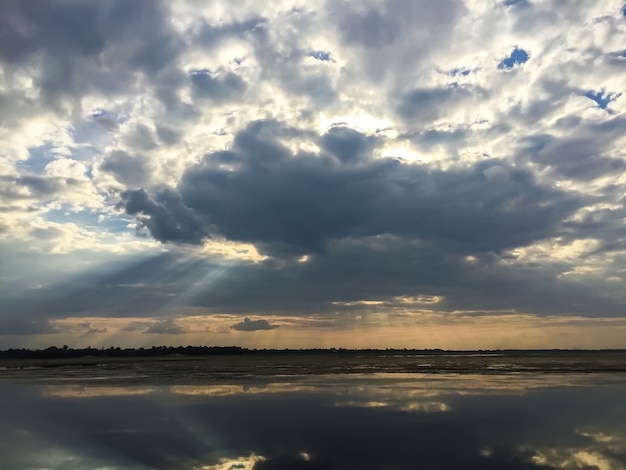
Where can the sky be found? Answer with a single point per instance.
(279, 174)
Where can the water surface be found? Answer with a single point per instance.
(514, 420)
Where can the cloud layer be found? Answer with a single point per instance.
(317, 162)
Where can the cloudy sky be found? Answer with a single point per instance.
(313, 174)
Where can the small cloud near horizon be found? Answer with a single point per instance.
(253, 325)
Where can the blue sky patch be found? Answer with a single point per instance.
(602, 98)
(517, 57)
(321, 55)
(460, 72)
(39, 157)
(521, 3)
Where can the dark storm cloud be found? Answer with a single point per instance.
(141, 137)
(89, 46)
(348, 145)
(386, 267)
(380, 228)
(15, 106)
(427, 104)
(581, 154)
(376, 26)
(578, 158)
(605, 225)
(253, 325)
(616, 59)
(167, 135)
(260, 192)
(165, 216)
(218, 87)
(370, 28)
(64, 24)
(374, 268)
(394, 33)
(35, 186)
(26, 325)
(132, 171)
(375, 229)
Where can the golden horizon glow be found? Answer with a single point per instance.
(402, 328)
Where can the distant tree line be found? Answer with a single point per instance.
(65, 352)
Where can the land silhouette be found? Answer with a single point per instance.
(193, 364)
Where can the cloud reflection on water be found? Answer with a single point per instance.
(441, 422)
